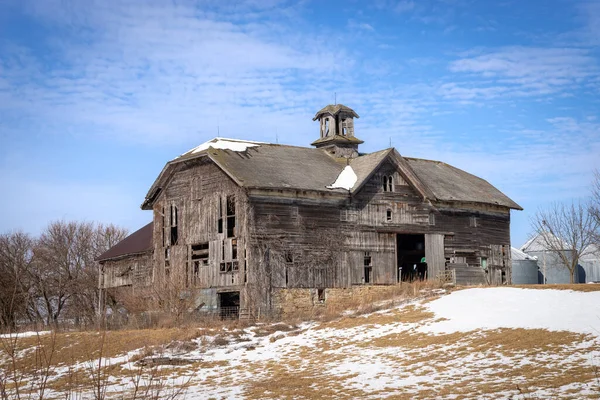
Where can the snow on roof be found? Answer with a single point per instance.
(345, 180)
(224, 144)
(518, 255)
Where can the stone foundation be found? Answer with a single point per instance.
(304, 301)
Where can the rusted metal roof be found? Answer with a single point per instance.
(138, 242)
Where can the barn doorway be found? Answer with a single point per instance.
(410, 251)
(229, 305)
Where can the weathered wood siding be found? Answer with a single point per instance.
(134, 270)
(193, 202)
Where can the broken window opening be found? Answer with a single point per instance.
(167, 252)
(321, 295)
(385, 183)
(200, 253)
(235, 266)
(174, 220)
(222, 250)
(287, 281)
(326, 127)
(226, 267)
(234, 254)
(388, 215)
(368, 266)
(231, 231)
(220, 220)
(390, 184)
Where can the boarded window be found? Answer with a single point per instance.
(431, 219)
(197, 188)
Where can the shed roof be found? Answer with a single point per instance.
(138, 242)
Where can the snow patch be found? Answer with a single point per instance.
(345, 180)
(494, 308)
(22, 334)
(224, 144)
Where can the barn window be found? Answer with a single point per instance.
(200, 253)
(484, 263)
(220, 220)
(321, 295)
(326, 127)
(368, 264)
(227, 267)
(473, 222)
(388, 215)
(387, 183)
(431, 219)
(174, 223)
(231, 216)
(234, 251)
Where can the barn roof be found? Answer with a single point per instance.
(275, 166)
(138, 242)
(452, 184)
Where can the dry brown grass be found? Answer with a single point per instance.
(578, 287)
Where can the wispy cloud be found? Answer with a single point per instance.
(521, 71)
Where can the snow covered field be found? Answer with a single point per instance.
(475, 343)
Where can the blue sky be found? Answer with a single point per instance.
(95, 96)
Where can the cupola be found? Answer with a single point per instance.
(337, 131)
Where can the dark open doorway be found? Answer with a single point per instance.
(410, 251)
(229, 305)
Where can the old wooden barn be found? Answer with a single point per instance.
(252, 225)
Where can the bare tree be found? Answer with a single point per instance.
(15, 261)
(567, 231)
(595, 206)
(65, 272)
